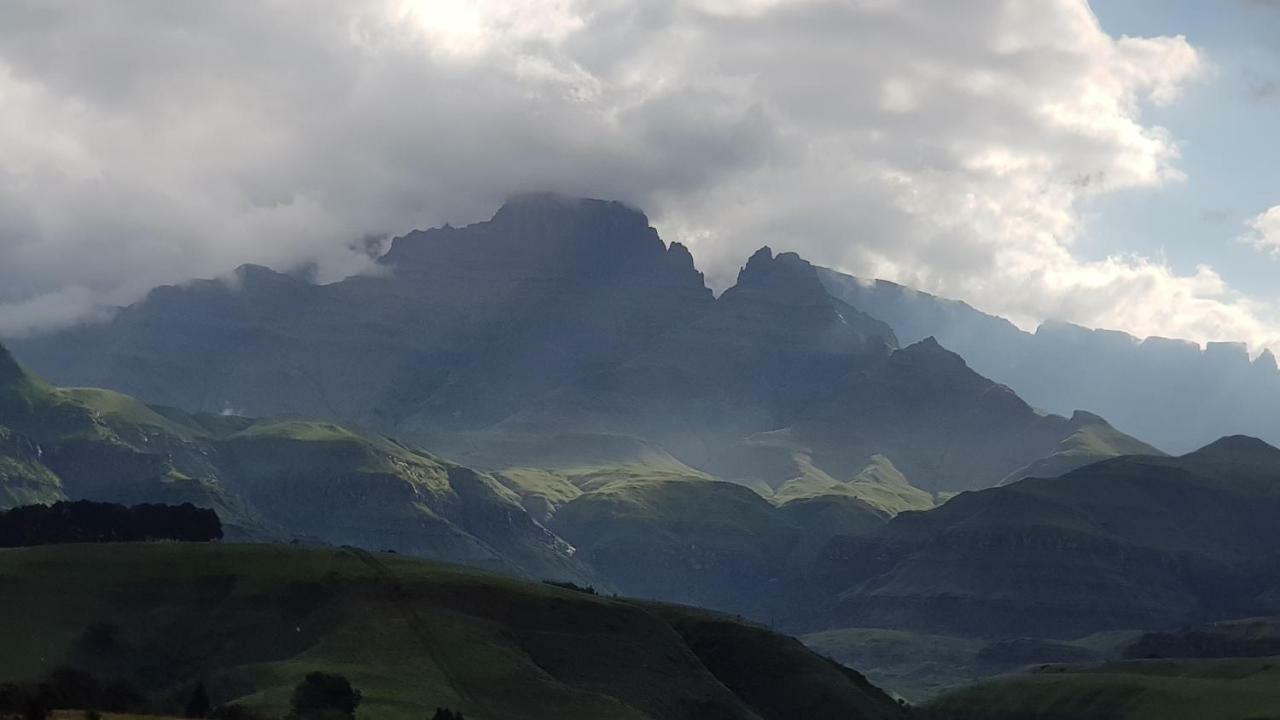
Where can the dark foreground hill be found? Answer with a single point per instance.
(250, 621)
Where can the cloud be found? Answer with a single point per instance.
(945, 145)
(1264, 231)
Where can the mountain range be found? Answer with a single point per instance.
(1172, 393)
(564, 332)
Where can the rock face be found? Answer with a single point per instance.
(1168, 392)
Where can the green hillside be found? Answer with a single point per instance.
(1093, 441)
(249, 621)
(1136, 542)
(267, 479)
(1238, 689)
(880, 484)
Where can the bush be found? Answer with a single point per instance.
(324, 696)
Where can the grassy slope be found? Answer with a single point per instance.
(1131, 542)
(879, 484)
(1135, 690)
(267, 479)
(1092, 442)
(921, 666)
(914, 665)
(251, 620)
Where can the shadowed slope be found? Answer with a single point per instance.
(251, 621)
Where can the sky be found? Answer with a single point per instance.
(1111, 165)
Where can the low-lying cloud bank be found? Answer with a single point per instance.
(944, 145)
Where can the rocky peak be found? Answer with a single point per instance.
(548, 236)
(785, 277)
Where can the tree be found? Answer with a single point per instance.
(198, 706)
(324, 696)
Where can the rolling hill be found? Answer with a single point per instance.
(249, 621)
(1128, 543)
(267, 479)
(1236, 689)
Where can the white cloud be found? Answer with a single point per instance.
(1264, 231)
(946, 145)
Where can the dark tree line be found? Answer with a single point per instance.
(66, 688)
(85, 521)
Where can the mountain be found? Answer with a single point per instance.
(1173, 393)
(752, 361)
(1135, 542)
(267, 479)
(563, 333)
(250, 621)
(943, 426)
(457, 329)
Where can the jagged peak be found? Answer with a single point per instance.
(763, 264)
(1266, 360)
(677, 252)
(759, 260)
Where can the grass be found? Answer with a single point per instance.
(251, 620)
(916, 666)
(1237, 689)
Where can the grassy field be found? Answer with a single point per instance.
(250, 621)
(1235, 689)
